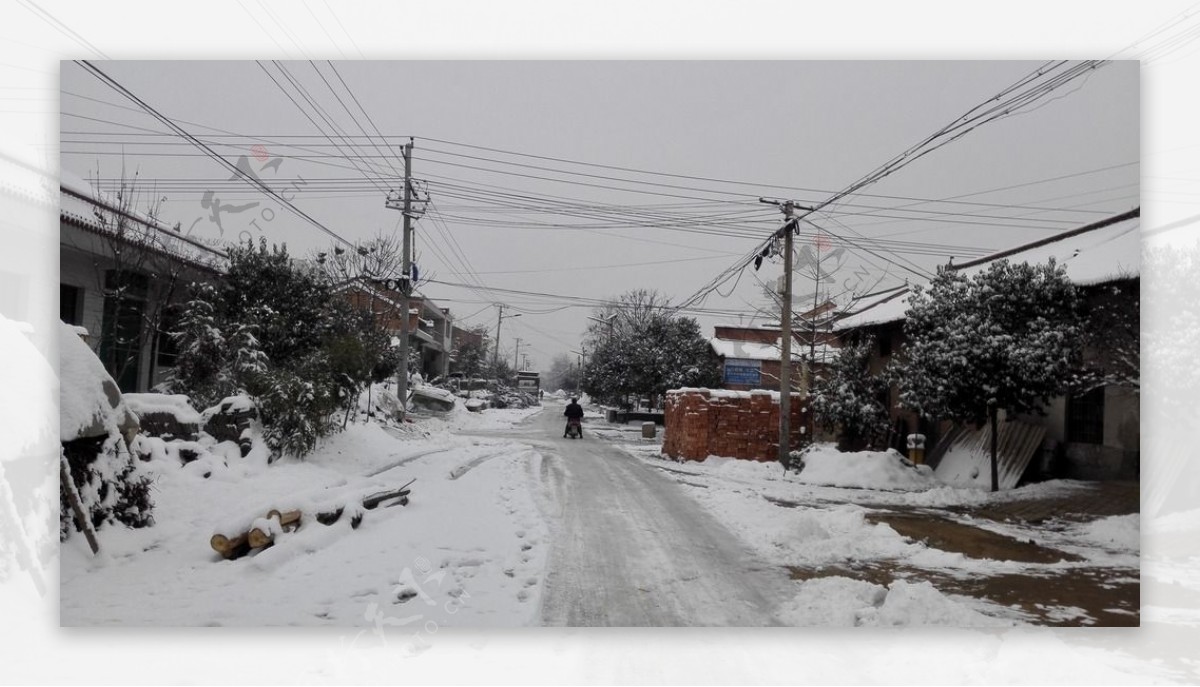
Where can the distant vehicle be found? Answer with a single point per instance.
(529, 382)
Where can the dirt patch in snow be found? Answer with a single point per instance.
(972, 542)
(1080, 597)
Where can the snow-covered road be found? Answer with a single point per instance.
(629, 548)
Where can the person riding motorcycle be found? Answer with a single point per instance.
(574, 411)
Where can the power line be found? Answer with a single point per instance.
(1010, 100)
(112, 83)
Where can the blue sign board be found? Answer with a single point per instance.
(746, 372)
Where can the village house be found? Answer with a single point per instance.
(123, 275)
(1089, 435)
(750, 354)
(430, 327)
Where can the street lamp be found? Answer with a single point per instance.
(608, 321)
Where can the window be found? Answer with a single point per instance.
(70, 300)
(1085, 417)
(121, 335)
(885, 345)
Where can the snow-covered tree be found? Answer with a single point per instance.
(1112, 337)
(287, 300)
(641, 350)
(1006, 339)
(846, 398)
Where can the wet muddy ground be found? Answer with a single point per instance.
(1072, 593)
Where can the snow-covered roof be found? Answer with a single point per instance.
(888, 308)
(1105, 251)
(79, 204)
(1098, 253)
(750, 350)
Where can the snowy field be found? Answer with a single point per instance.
(468, 549)
(852, 568)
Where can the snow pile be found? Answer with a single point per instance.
(742, 470)
(825, 465)
(177, 406)
(844, 602)
(90, 404)
(1116, 532)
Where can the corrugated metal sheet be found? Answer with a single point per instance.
(965, 454)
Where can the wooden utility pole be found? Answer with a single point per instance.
(788, 230)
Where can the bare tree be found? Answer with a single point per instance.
(631, 311)
(139, 272)
(380, 257)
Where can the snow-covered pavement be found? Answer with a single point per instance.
(629, 548)
(468, 549)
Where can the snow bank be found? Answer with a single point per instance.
(90, 403)
(178, 406)
(841, 601)
(826, 465)
(1116, 532)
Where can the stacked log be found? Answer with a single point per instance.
(263, 532)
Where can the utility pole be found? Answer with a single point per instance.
(496, 349)
(788, 230)
(499, 318)
(405, 206)
(517, 355)
(524, 361)
(809, 376)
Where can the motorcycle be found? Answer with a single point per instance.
(574, 428)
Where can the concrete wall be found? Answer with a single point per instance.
(1118, 456)
(734, 424)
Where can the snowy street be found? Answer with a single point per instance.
(510, 524)
(629, 548)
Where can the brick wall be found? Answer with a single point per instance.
(736, 424)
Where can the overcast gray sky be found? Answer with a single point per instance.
(526, 216)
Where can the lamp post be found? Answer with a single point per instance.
(608, 321)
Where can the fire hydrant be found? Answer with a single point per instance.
(916, 448)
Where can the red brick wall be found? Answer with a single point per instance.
(755, 334)
(744, 425)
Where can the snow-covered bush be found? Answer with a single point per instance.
(846, 398)
(272, 329)
(112, 486)
(296, 408)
